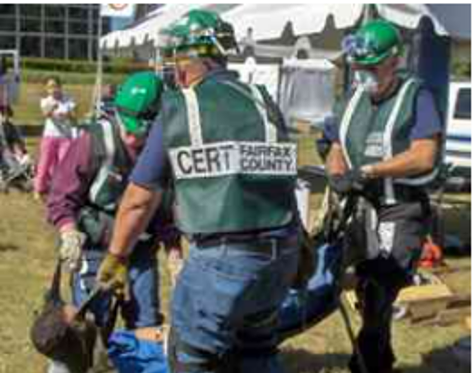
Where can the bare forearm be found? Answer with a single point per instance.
(419, 159)
(335, 163)
(135, 212)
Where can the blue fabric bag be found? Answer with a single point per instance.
(132, 355)
(304, 308)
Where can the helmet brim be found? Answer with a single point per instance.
(373, 60)
(133, 125)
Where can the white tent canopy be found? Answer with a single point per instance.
(147, 30)
(269, 21)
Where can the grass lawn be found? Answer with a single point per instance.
(27, 256)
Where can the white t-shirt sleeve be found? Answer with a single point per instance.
(47, 104)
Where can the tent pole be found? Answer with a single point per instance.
(95, 106)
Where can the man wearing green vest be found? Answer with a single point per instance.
(227, 153)
(86, 191)
(385, 146)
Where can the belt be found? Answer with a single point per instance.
(256, 244)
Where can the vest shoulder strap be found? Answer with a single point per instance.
(108, 147)
(262, 101)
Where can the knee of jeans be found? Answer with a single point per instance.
(186, 358)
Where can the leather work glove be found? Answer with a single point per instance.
(351, 181)
(70, 250)
(113, 275)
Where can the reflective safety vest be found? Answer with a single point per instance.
(115, 166)
(370, 133)
(109, 156)
(234, 167)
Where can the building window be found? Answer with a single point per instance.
(54, 48)
(7, 24)
(78, 49)
(54, 27)
(7, 10)
(78, 13)
(31, 46)
(55, 11)
(30, 10)
(106, 26)
(30, 24)
(7, 42)
(78, 27)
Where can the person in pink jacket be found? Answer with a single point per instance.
(59, 112)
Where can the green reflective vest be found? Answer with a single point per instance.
(113, 165)
(372, 133)
(234, 167)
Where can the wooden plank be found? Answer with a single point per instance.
(458, 301)
(455, 311)
(424, 293)
(453, 316)
(423, 302)
(420, 311)
(445, 318)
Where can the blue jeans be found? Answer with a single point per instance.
(143, 309)
(224, 307)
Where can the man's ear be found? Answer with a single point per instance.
(394, 62)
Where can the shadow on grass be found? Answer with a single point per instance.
(444, 360)
(300, 360)
(8, 247)
(437, 361)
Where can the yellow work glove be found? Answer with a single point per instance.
(113, 274)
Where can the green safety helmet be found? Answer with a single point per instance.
(200, 33)
(373, 43)
(137, 101)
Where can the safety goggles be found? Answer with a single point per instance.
(357, 47)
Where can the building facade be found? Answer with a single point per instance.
(52, 30)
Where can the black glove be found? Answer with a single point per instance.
(351, 181)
